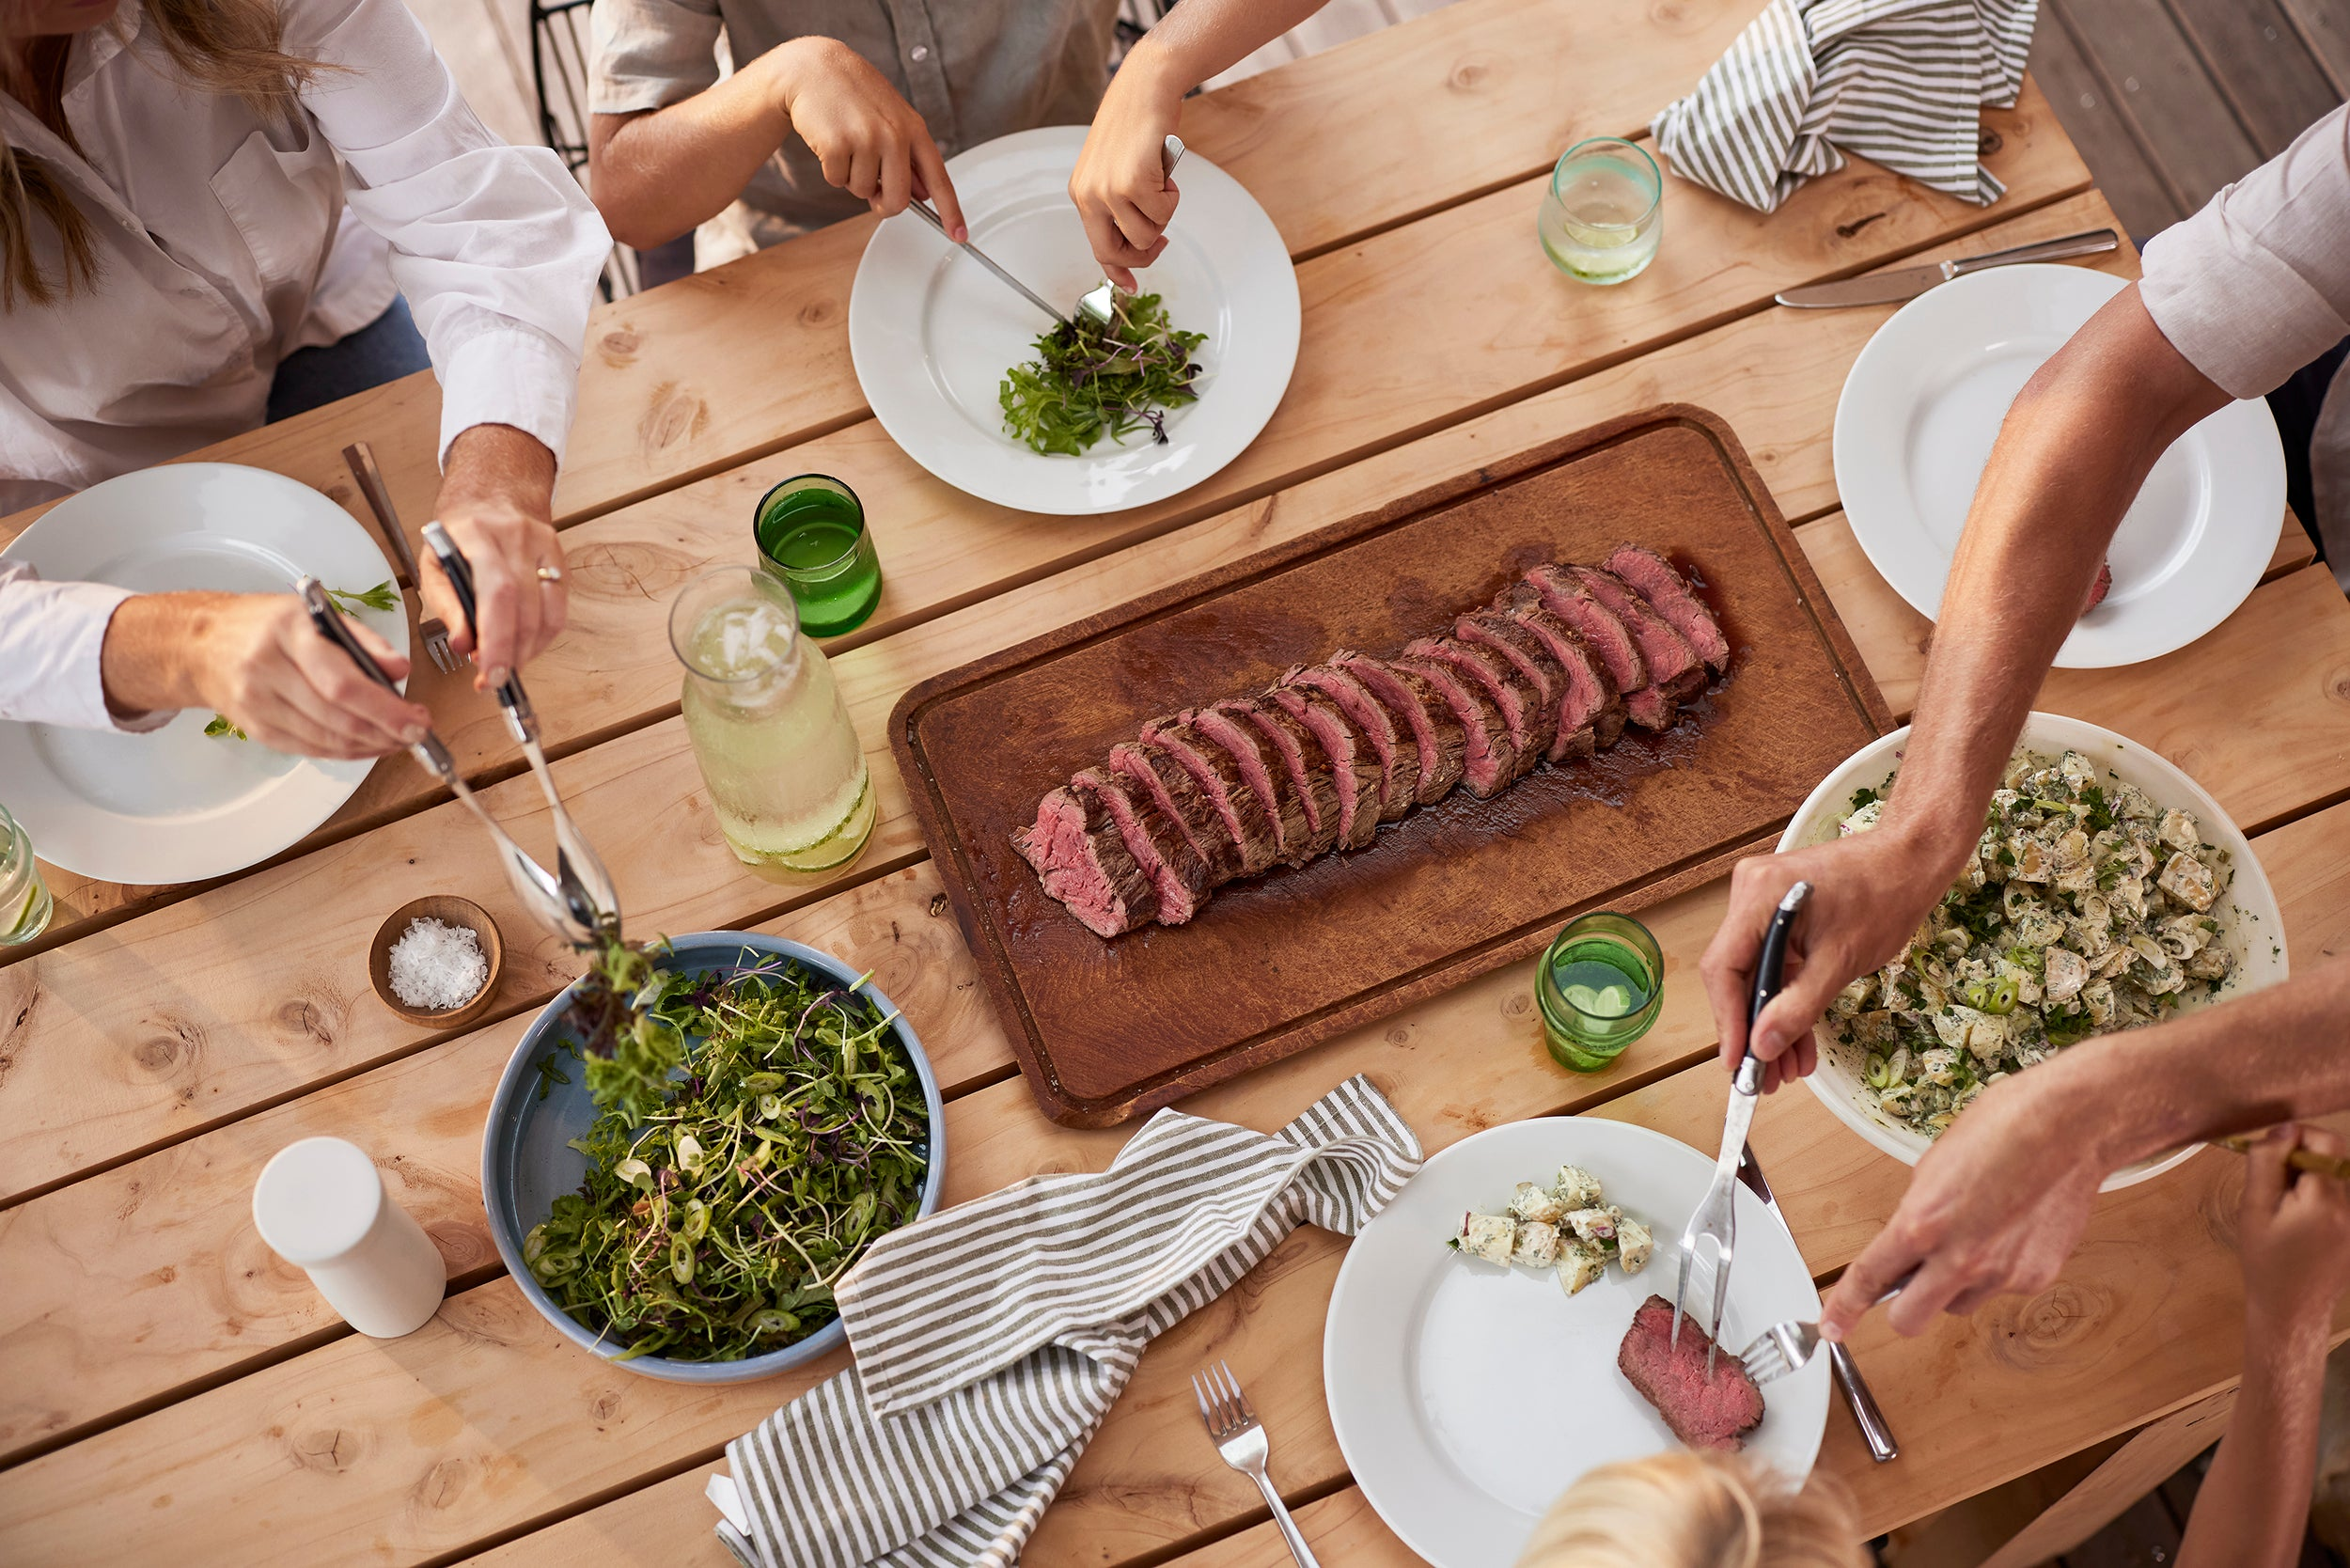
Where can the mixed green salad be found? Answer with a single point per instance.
(757, 1129)
(2087, 907)
(1093, 379)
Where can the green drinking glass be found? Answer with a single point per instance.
(1600, 988)
(810, 531)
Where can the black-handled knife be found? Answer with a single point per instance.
(519, 715)
(335, 629)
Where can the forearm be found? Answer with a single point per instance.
(502, 463)
(2252, 1510)
(1203, 38)
(656, 176)
(2072, 453)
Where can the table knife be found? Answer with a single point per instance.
(929, 215)
(1907, 283)
(1865, 1413)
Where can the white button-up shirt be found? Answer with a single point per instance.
(221, 250)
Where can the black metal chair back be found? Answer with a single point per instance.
(558, 75)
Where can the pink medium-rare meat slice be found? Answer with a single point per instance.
(1154, 771)
(1714, 1412)
(1158, 846)
(1082, 860)
(1592, 701)
(1356, 775)
(1532, 723)
(1420, 707)
(1395, 746)
(1672, 664)
(1489, 755)
(1261, 768)
(1312, 776)
(1675, 597)
(1533, 659)
(1650, 707)
(1218, 776)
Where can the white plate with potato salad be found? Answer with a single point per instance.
(2107, 892)
(1470, 1356)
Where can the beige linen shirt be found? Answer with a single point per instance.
(2257, 285)
(973, 70)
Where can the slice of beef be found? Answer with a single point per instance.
(1704, 1412)
(1593, 701)
(1082, 860)
(1423, 710)
(1672, 664)
(1313, 779)
(1219, 778)
(1154, 771)
(1489, 754)
(1158, 846)
(1356, 775)
(1607, 638)
(1395, 746)
(1532, 723)
(1261, 766)
(1533, 659)
(1675, 597)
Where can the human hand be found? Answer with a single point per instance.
(255, 659)
(2294, 1234)
(871, 141)
(1995, 1205)
(1870, 892)
(497, 502)
(1120, 187)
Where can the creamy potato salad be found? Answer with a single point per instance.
(2087, 907)
(1567, 1225)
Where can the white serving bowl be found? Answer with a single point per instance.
(2249, 921)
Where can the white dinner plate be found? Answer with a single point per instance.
(177, 804)
(1922, 407)
(932, 332)
(1467, 1396)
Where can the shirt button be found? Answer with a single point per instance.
(921, 52)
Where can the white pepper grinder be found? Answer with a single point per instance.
(321, 1206)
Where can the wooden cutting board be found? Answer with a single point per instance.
(1106, 1029)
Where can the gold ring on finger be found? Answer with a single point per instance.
(550, 573)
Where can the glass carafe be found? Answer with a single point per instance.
(783, 764)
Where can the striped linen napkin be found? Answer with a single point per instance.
(1902, 83)
(991, 1339)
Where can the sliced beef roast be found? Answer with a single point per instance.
(1714, 1412)
(1261, 766)
(1489, 754)
(1419, 707)
(1532, 723)
(1154, 771)
(1313, 779)
(1662, 585)
(1532, 658)
(1219, 778)
(1592, 698)
(1356, 771)
(1647, 706)
(1158, 846)
(1394, 744)
(1672, 664)
(1082, 860)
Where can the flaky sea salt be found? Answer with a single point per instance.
(437, 965)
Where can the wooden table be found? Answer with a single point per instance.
(170, 1391)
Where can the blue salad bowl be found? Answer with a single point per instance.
(527, 1160)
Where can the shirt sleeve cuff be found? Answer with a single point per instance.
(2234, 309)
(516, 376)
(52, 639)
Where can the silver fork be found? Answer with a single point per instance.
(1232, 1427)
(1788, 1347)
(431, 628)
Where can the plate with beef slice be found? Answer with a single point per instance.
(1467, 1394)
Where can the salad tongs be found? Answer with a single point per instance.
(553, 904)
(1716, 1216)
(578, 869)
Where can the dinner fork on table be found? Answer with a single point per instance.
(431, 628)
(1788, 1347)
(1232, 1427)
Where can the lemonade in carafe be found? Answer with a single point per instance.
(784, 771)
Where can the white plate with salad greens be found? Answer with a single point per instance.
(177, 804)
(937, 339)
(2108, 892)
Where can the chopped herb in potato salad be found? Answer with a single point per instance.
(2087, 908)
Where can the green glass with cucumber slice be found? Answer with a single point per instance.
(1600, 988)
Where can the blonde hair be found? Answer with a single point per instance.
(1691, 1510)
(233, 47)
